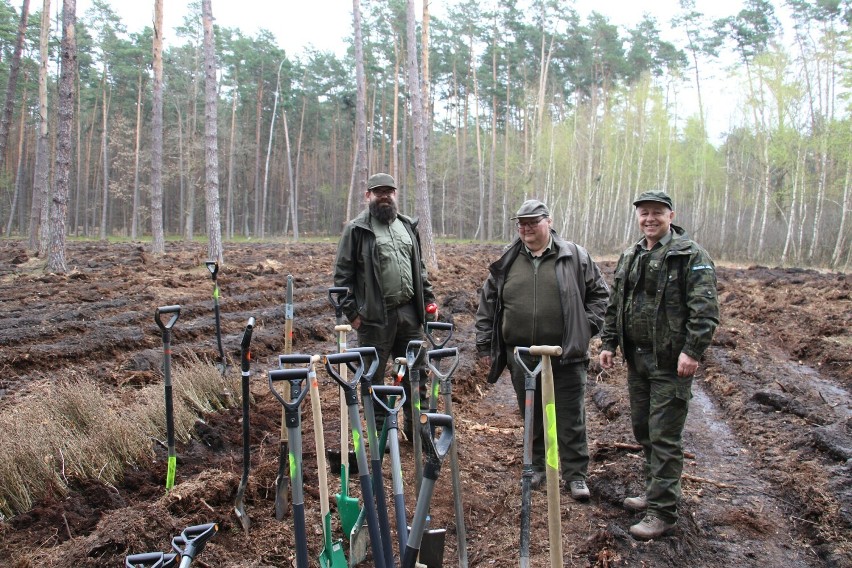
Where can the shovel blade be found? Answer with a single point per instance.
(245, 522)
(358, 541)
(334, 558)
(333, 457)
(432, 548)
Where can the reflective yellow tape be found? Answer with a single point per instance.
(552, 456)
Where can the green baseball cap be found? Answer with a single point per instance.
(381, 180)
(655, 195)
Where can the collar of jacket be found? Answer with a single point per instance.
(510, 253)
(362, 221)
(680, 243)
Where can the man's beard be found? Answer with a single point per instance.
(384, 212)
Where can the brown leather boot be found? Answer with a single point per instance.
(650, 527)
(639, 503)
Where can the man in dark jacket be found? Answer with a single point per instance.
(662, 314)
(545, 291)
(379, 261)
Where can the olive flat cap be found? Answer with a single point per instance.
(381, 180)
(655, 195)
(532, 208)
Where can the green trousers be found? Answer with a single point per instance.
(659, 401)
(569, 388)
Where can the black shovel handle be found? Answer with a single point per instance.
(297, 374)
(387, 391)
(530, 373)
(151, 560)
(415, 354)
(345, 358)
(174, 310)
(191, 541)
(336, 295)
(245, 346)
(365, 352)
(293, 359)
(438, 325)
(438, 354)
(213, 267)
(435, 449)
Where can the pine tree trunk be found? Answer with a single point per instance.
(11, 85)
(41, 181)
(136, 151)
(158, 242)
(359, 186)
(65, 103)
(430, 258)
(211, 160)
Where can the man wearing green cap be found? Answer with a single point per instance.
(379, 260)
(544, 290)
(662, 313)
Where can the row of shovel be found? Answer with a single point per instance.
(297, 371)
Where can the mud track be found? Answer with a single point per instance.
(768, 479)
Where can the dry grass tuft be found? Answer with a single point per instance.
(78, 430)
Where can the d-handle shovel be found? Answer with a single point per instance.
(166, 329)
(415, 356)
(296, 378)
(434, 451)
(438, 342)
(332, 555)
(527, 474)
(395, 397)
(151, 560)
(282, 480)
(213, 267)
(434, 359)
(192, 540)
(245, 367)
(357, 539)
(548, 403)
(351, 396)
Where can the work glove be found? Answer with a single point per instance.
(432, 312)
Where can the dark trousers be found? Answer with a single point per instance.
(569, 388)
(391, 341)
(659, 401)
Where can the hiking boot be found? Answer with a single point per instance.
(537, 480)
(651, 527)
(637, 504)
(579, 490)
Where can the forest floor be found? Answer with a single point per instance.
(767, 480)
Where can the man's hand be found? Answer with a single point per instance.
(356, 323)
(686, 365)
(605, 359)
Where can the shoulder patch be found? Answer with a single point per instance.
(702, 267)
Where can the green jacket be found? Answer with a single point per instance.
(583, 298)
(686, 303)
(357, 268)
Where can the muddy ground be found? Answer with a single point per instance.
(768, 479)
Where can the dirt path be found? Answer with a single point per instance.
(770, 426)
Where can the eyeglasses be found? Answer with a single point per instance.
(383, 191)
(529, 225)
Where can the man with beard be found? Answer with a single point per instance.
(379, 260)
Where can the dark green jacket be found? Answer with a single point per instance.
(357, 268)
(685, 303)
(583, 298)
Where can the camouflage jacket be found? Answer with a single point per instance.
(686, 303)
